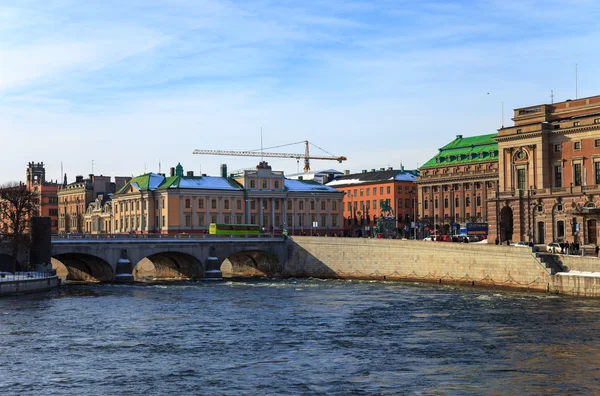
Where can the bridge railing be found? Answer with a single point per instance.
(9, 276)
(161, 236)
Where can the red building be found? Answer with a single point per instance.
(47, 190)
(366, 191)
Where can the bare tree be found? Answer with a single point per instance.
(18, 205)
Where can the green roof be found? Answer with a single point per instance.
(466, 150)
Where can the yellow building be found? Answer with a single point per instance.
(158, 204)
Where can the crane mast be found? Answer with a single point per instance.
(306, 156)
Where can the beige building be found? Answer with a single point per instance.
(178, 203)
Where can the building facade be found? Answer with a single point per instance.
(178, 203)
(365, 192)
(47, 190)
(549, 167)
(74, 199)
(455, 185)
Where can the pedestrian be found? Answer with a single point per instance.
(596, 250)
(497, 241)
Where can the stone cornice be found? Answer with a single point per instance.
(522, 136)
(460, 178)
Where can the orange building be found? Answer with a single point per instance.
(47, 190)
(178, 203)
(364, 193)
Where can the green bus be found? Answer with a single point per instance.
(234, 229)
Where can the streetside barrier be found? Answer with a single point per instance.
(160, 236)
(9, 276)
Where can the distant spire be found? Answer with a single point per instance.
(65, 180)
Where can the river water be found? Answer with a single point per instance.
(297, 337)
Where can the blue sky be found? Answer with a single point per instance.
(129, 84)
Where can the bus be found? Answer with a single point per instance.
(234, 229)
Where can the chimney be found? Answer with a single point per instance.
(300, 178)
(364, 171)
(347, 172)
(391, 168)
(224, 170)
(372, 170)
(382, 169)
(172, 171)
(78, 179)
(459, 136)
(190, 173)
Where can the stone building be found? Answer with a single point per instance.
(74, 198)
(454, 186)
(98, 218)
(178, 203)
(47, 190)
(365, 191)
(549, 167)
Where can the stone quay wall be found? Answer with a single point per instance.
(23, 286)
(460, 263)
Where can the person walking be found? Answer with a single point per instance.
(596, 250)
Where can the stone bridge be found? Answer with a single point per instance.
(108, 259)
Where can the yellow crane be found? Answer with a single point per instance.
(256, 153)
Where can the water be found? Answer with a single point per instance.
(297, 337)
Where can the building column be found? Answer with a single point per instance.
(260, 212)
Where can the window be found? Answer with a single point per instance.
(253, 205)
(557, 176)
(252, 184)
(276, 184)
(334, 205)
(323, 205)
(239, 204)
(300, 223)
(597, 172)
(388, 189)
(407, 203)
(227, 219)
(557, 147)
(597, 143)
(213, 219)
(478, 200)
(334, 221)
(201, 203)
(163, 221)
(596, 120)
(289, 205)
(323, 221)
(446, 202)
(201, 219)
(521, 179)
(354, 193)
(560, 229)
(456, 202)
(380, 190)
(374, 191)
(374, 204)
(312, 205)
(265, 204)
(289, 220)
(368, 191)
(576, 124)
(253, 219)
(361, 192)
(435, 203)
(276, 204)
(577, 174)
(519, 131)
(301, 205)
(400, 202)
(213, 204)
(349, 207)
(187, 203)
(559, 207)
(264, 184)
(238, 219)
(576, 145)
(425, 206)
(467, 202)
(540, 208)
(226, 204)
(188, 220)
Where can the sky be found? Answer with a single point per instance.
(125, 87)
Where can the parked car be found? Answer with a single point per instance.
(553, 247)
(522, 244)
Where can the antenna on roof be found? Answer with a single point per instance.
(502, 114)
(261, 145)
(551, 96)
(159, 166)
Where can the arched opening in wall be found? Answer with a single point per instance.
(506, 224)
(251, 264)
(168, 265)
(6, 263)
(82, 267)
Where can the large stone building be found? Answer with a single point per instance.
(456, 184)
(47, 190)
(549, 168)
(178, 203)
(364, 193)
(74, 198)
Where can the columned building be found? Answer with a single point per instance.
(549, 166)
(178, 203)
(454, 186)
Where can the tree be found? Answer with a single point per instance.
(18, 205)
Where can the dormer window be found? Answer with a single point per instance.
(576, 124)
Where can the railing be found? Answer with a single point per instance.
(9, 276)
(160, 236)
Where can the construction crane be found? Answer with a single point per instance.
(256, 153)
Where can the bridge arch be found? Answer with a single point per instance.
(82, 267)
(168, 265)
(251, 264)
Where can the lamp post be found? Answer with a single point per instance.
(453, 210)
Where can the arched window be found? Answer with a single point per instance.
(560, 229)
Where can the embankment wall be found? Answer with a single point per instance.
(28, 285)
(469, 264)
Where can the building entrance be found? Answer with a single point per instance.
(592, 232)
(506, 224)
(540, 232)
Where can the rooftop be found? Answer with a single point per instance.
(375, 176)
(466, 150)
